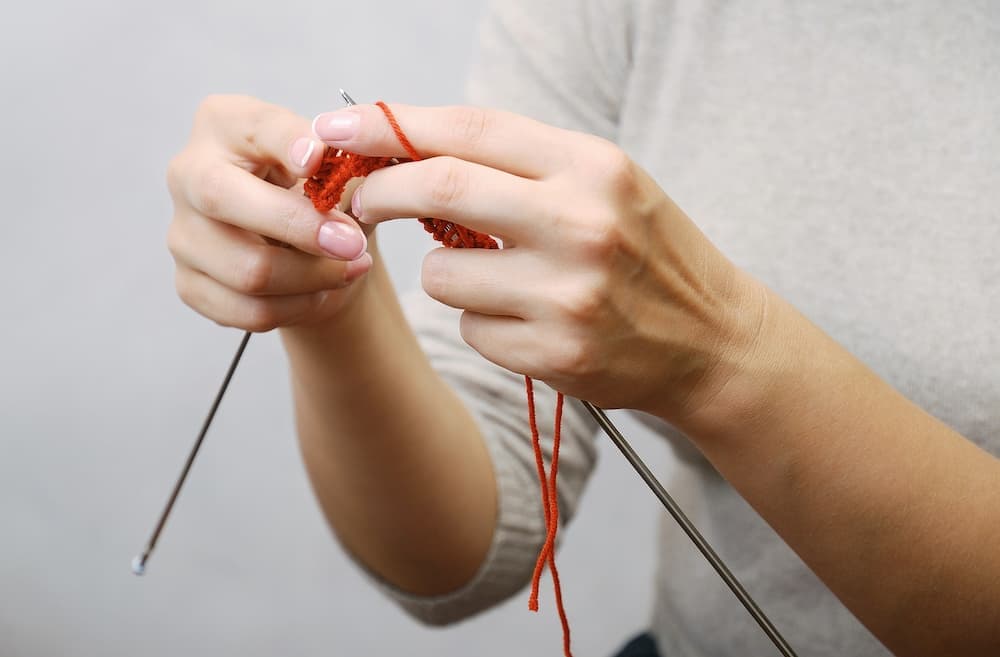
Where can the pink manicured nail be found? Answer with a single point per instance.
(342, 241)
(337, 126)
(356, 203)
(356, 268)
(302, 150)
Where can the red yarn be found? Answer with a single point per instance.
(550, 505)
(337, 169)
(326, 188)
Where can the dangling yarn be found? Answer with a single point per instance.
(550, 505)
(326, 188)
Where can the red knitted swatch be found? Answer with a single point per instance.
(326, 189)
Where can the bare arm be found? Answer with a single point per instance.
(398, 465)
(896, 512)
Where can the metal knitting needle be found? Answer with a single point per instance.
(699, 541)
(139, 562)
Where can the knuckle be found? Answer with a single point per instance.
(208, 189)
(470, 124)
(215, 106)
(339, 276)
(243, 117)
(258, 116)
(585, 305)
(448, 183)
(621, 174)
(612, 166)
(176, 242)
(211, 106)
(185, 288)
(470, 328)
(433, 276)
(261, 316)
(562, 219)
(255, 271)
(594, 231)
(295, 222)
(571, 359)
(599, 236)
(616, 161)
(192, 294)
(466, 327)
(175, 175)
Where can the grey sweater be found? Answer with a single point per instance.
(847, 155)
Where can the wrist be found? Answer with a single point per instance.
(345, 324)
(750, 360)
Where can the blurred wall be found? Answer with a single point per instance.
(105, 375)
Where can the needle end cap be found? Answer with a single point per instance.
(139, 564)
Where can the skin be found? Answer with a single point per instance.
(605, 290)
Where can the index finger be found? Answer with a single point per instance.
(228, 193)
(256, 134)
(497, 139)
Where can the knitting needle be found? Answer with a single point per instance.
(685, 524)
(139, 562)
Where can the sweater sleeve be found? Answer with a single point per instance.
(563, 62)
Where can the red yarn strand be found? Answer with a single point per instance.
(536, 447)
(550, 539)
(550, 507)
(338, 168)
(400, 135)
(557, 587)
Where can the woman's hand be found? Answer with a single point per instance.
(238, 209)
(605, 289)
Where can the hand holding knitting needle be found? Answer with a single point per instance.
(605, 289)
(230, 264)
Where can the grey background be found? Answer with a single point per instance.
(105, 375)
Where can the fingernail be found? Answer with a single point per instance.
(337, 126)
(356, 203)
(302, 150)
(342, 241)
(356, 268)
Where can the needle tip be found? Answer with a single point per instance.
(347, 98)
(139, 564)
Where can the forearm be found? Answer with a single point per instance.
(896, 512)
(397, 463)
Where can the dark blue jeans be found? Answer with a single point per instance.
(641, 646)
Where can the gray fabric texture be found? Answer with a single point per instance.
(847, 155)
